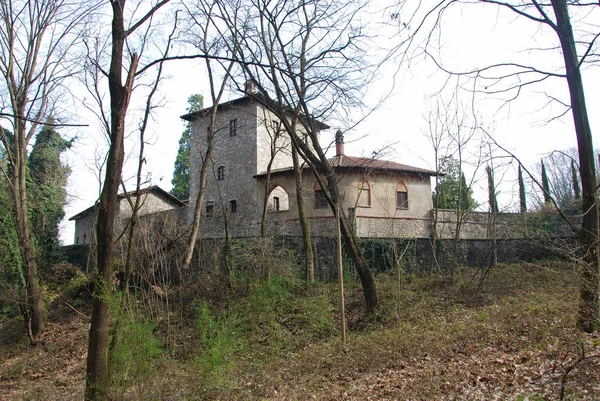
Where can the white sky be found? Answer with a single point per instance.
(472, 36)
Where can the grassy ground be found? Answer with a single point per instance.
(513, 340)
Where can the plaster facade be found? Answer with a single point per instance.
(242, 149)
(153, 200)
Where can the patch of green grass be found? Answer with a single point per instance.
(270, 322)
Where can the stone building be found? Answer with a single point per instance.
(154, 200)
(383, 198)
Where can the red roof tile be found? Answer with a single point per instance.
(351, 162)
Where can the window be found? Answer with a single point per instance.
(364, 193)
(320, 199)
(401, 196)
(233, 127)
(278, 200)
(210, 209)
(77, 241)
(84, 238)
(233, 206)
(221, 173)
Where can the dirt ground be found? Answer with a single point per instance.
(519, 346)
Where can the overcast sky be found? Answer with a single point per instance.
(472, 36)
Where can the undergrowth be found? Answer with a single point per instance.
(273, 319)
(269, 337)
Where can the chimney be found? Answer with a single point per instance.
(339, 143)
(250, 87)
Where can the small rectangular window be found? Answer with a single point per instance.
(84, 238)
(320, 199)
(276, 203)
(233, 206)
(77, 241)
(221, 173)
(233, 127)
(210, 209)
(402, 200)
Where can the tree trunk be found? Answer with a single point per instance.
(588, 306)
(97, 374)
(263, 219)
(200, 198)
(351, 244)
(309, 257)
(34, 311)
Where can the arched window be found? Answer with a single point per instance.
(221, 173)
(401, 196)
(320, 199)
(364, 193)
(278, 200)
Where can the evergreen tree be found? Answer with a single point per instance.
(48, 179)
(546, 185)
(181, 169)
(491, 190)
(522, 198)
(452, 191)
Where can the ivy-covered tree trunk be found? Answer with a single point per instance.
(48, 194)
(34, 310)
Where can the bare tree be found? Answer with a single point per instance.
(37, 39)
(309, 256)
(204, 36)
(308, 61)
(511, 78)
(453, 133)
(122, 46)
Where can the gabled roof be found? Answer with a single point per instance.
(361, 163)
(155, 189)
(237, 102)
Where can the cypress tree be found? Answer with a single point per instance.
(181, 169)
(465, 194)
(491, 190)
(546, 185)
(522, 198)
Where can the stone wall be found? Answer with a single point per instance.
(416, 255)
(237, 154)
(478, 225)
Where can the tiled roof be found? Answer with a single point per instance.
(375, 164)
(351, 162)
